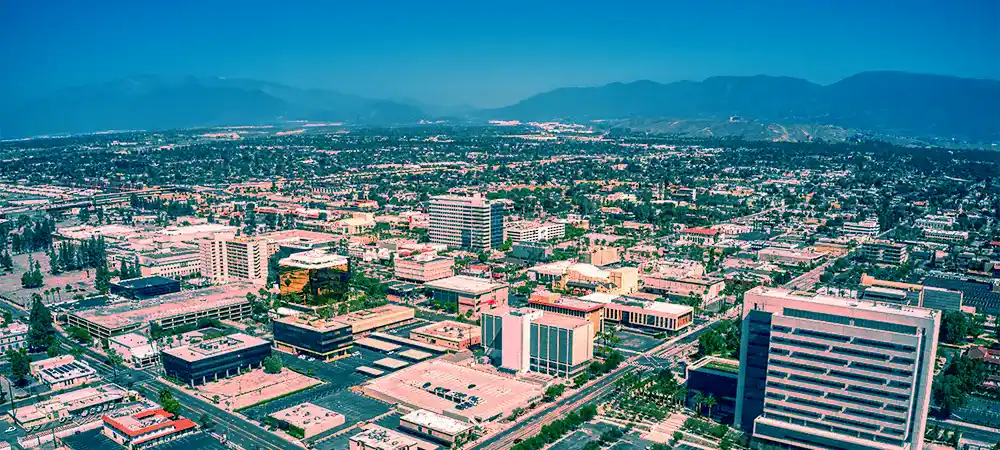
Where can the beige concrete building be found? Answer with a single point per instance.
(449, 334)
(376, 319)
(708, 288)
(585, 278)
(473, 295)
(375, 437)
(539, 341)
(535, 231)
(63, 372)
(436, 426)
(424, 267)
(600, 255)
(472, 223)
(824, 372)
(137, 351)
(227, 258)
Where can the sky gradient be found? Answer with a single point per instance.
(488, 54)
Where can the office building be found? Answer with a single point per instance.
(472, 223)
(226, 258)
(375, 319)
(473, 295)
(146, 429)
(716, 377)
(709, 289)
(146, 287)
(911, 294)
(702, 236)
(883, 252)
(63, 372)
(935, 222)
(946, 236)
(653, 316)
(13, 336)
(424, 267)
(167, 311)
(531, 251)
(137, 351)
(305, 420)
(527, 339)
(379, 438)
(535, 231)
(865, 228)
(88, 401)
(593, 312)
(448, 334)
(786, 257)
(439, 428)
(600, 255)
(322, 339)
(821, 372)
(175, 263)
(317, 274)
(582, 279)
(209, 360)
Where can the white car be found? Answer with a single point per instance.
(11, 430)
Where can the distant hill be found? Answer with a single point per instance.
(154, 102)
(891, 103)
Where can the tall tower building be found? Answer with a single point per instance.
(226, 258)
(820, 372)
(472, 223)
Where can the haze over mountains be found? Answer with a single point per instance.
(890, 103)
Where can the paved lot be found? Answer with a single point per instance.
(587, 432)
(637, 342)
(94, 440)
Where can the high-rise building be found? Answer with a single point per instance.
(226, 258)
(538, 341)
(821, 372)
(473, 222)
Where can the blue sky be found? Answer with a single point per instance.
(488, 53)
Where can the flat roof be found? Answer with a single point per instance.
(436, 422)
(313, 323)
(72, 400)
(313, 419)
(379, 438)
(485, 394)
(599, 297)
(377, 344)
(571, 303)
(127, 313)
(415, 355)
(561, 320)
(214, 347)
(391, 363)
(145, 282)
(448, 329)
(370, 371)
(465, 284)
(300, 237)
(669, 308)
(373, 313)
(849, 303)
(314, 259)
(61, 368)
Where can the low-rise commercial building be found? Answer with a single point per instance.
(378, 438)
(539, 341)
(137, 351)
(167, 311)
(306, 420)
(70, 405)
(175, 263)
(63, 372)
(448, 334)
(314, 337)
(146, 429)
(947, 236)
(146, 287)
(13, 336)
(440, 428)
(716, 377)
(582, 278)
(600, 255)
(570, 306)
(788, 257)
(911, 294)
(424, 267)
(709, 289)
(883, 252)
(209, 360)
(703, 236)
(535, 231)
(377, 319)
(648, 315)
(865, 228)
(472, 295)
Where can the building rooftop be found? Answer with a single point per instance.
(599, 297)
(197, 229)
(148, 421)
(310, 418)
(145, 282)
(372, 313)
(448, 329)
(436, 422)
(557, 268)
(314, 259)
(312, 323)
(465, 284)
(214, 347)
(73, 401)
(14, 329)
(669, 308)
(379, 438)
(849, 303)
(701, 231)
(561, 320)
(61, 368)
(131, 340)
(127, 313)
(567, 302)
(300, 238)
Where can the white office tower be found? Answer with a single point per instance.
(821, 372)
(472, 223)
(226, 258)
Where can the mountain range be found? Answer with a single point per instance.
(885, 103)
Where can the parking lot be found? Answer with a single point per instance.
(633, 341)
(577, 439)
(94, 440)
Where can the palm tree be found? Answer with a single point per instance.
(698, 400)
(709, 403)
(680, 395)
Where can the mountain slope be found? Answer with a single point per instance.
(883, 102)
(151, 102)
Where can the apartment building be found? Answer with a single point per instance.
(865, 228)
(173, 263)
(226, 258)
(539, 341)
(535, 232)
(472, 223)
(13, 336)
(822, 372)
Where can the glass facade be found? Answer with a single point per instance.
(754, 365)
(220, 365)
(318, 286)
(321, 343)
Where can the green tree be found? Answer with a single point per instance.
(115, 360)
(78, 334)
(6, 262)
(555, 391)
(272, 364)
(102, 279)
(710, 403)
(41, 334)
(169, 403)
(955, 327)
(53, 350)
(19, 366)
